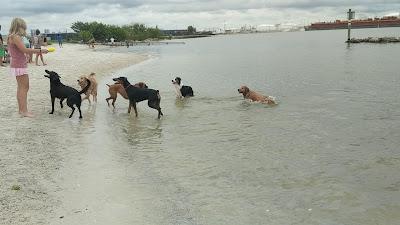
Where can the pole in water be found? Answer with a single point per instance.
(350, 16)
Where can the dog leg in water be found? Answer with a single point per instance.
(129, 107)
(52, 104)
(113, 102)
(108, 102)
(61, 104)
(156, 105)
(72, 113)
(80, 112)
(134, 107)
(87, 97)
(160, 113)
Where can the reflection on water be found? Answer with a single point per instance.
(224, 160)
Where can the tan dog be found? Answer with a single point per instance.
(93, 86)
(257, 97)
(117, 88)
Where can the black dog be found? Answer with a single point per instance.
(185, 91)
(61, 91)
(136, 94)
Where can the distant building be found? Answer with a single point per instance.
(65, 35)
(266, 28)
(232, 30)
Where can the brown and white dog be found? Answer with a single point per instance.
(93, 86)
(117, 88)
(256, 97)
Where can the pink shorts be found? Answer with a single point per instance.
(18, 71)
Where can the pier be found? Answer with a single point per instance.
(382, 40)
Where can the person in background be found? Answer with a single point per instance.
(30, 55)
(2, 51)
(91, 43)
(18, 65)
(59, 39)
(37, 44)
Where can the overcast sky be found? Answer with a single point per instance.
(58, 15)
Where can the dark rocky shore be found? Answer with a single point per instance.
(375, 40)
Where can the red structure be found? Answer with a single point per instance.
(390, 21)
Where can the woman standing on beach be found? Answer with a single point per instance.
(18, 65)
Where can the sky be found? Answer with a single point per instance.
(58, 15)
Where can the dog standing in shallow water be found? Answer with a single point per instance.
(116, 88)
(257, 97)
(136, 94)
(182, 90)
(61, 91)
(92, 87)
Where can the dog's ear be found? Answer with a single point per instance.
(246, 89)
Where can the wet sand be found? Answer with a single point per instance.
(33, 150)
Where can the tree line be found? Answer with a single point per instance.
(104, 32)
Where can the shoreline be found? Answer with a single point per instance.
(34, 153)
(75, 60)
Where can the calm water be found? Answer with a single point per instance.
(327, 154)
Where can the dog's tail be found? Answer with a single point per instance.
(86, 88)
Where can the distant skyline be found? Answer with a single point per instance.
(178, 14)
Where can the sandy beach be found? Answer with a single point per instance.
(31, 153)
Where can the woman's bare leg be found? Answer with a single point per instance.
(41, 58)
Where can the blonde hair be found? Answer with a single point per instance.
(18, 26)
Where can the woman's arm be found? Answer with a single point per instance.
(20, 45)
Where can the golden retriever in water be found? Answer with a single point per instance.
(93, 86)
(257, 97)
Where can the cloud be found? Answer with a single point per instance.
(178, 14)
